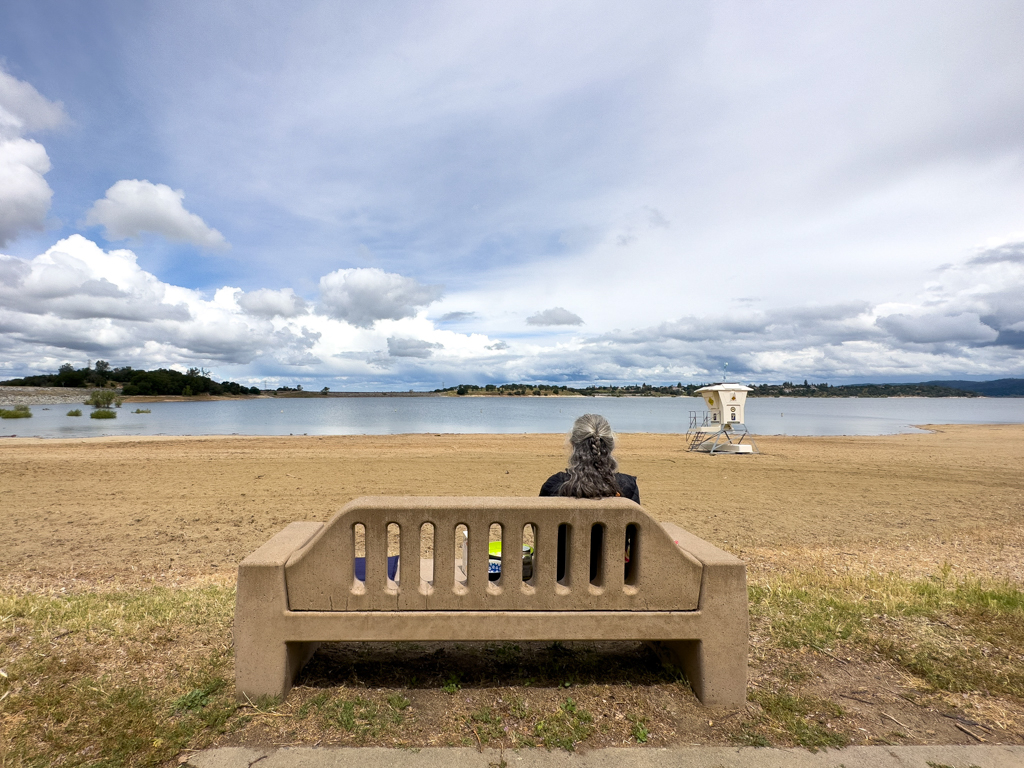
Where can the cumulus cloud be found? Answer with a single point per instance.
(134, 206)
(24, 110)
(24, 194)
(554, 316)
(78, 297)
(268, 303)
(399, 347)
(363, 296)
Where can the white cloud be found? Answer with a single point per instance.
(24, 194)
(134, 206)
(24, 110)
(554, 316)
(76, 296)
(365, 295)
(268, 303)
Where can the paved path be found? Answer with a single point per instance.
(681, 757)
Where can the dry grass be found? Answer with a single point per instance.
(134, 677)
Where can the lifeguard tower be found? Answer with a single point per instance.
(721, 428)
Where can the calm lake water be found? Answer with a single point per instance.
(399, 415)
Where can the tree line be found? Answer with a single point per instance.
(785, 389)
(162, 381)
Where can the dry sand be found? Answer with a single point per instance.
(176, 509)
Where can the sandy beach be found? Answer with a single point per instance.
(866, 526)
(184, 508)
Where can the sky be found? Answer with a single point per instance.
(403, 195)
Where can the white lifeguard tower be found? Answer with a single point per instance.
(721, 428)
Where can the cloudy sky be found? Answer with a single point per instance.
(395, 195)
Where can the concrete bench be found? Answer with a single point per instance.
(676, 591)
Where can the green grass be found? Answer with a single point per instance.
(361, 717)
(958, 635)
(17, 412)
(639, 730)
(452, 685)
(804, 720)
(566, 727)
(142, 410)
(75, 412)
(486, 724)
(120, 679)
(103, 413)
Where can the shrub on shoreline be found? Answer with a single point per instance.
(104, 398)
(17, 412)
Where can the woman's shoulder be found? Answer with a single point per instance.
(627, 485)
(553, 483)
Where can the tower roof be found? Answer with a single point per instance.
(725, 388)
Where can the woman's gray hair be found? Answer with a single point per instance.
(591, 464)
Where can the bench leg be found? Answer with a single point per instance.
(717, 672)
(269, 669)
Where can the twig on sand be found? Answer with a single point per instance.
(968, 731)
(828, 653)
(890, 717)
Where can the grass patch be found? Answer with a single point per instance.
(118, 679)
(957, 635)
(804, 720)
(75, 412)
(103, 413)
(363, 718)
(486, 724)
(565, 728)
(142, 410)
(639, 730)
(17, 412)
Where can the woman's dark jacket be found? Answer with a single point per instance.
(627, 485)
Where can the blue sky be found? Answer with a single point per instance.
(395, 195)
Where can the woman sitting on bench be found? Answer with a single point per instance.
(591, 473)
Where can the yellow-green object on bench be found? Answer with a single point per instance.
(494, 561)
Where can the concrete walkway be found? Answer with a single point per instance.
(981, 756)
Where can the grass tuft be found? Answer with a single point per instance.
(806, 720)
(75, 412)
(103, 413)
(17, 412)
(566, 728)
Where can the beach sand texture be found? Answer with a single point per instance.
(179, 509)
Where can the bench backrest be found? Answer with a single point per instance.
(660, 577)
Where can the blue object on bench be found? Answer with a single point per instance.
(361, 567)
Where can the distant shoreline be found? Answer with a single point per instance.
(29, 395)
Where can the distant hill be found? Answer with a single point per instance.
(997, 388)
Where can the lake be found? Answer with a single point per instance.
(486, 415)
